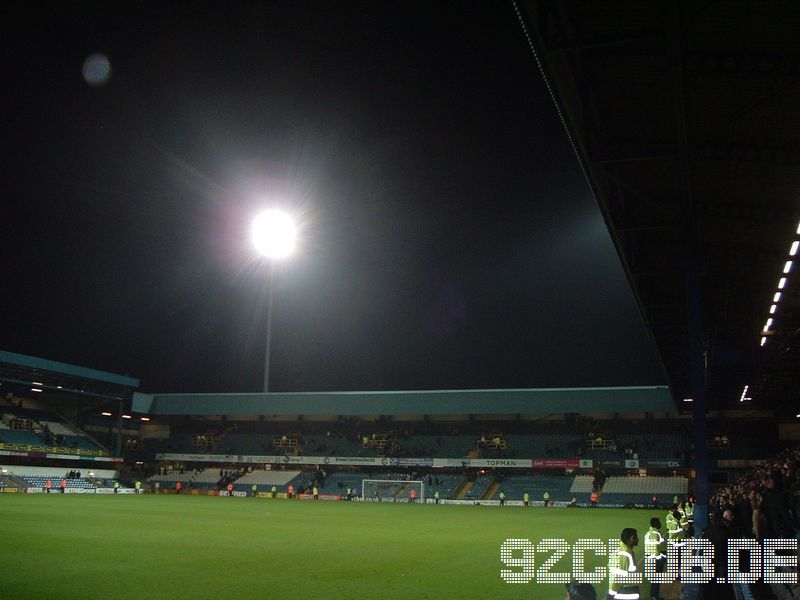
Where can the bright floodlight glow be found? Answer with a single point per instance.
(798, 228)
(744, 394)
(274, 234)
(97, 70)
(777, 297)
(787, 267)
(773, 308)
(763, 341)
(782, 283)
(793, 249)
(769, 322)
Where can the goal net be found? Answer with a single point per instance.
(390, 490)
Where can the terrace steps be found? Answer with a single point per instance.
(462, 490)
(491, 491)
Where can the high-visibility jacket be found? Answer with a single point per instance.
(138, 485)
(63, 483)
(254, 488)
(502, 496)
(436, 494)
(546, 496)
(49, 484)
(654, 544)
(689, 513)
(622, 565)
(673, 528)
(315, 491)
(525, 497)
(593, 497)
(274, 489)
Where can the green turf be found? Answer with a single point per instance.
(86, 546)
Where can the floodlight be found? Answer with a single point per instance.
(274, 234)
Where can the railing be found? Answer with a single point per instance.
(600, 444)
(52, 449)
(285, 442)
(379, 440)
(493, 444)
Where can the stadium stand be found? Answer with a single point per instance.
(557, 486)
(41, 429)
(544, 445)
(631, 490)
(208, 479)
(480, 485)
(446, 484)
(264, 480)
(337, 483)
(331, 445)
(55, 480)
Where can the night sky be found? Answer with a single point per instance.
(449, 238)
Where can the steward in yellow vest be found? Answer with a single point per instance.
(622, 567)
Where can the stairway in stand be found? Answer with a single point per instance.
(462, 490)
(491, 491)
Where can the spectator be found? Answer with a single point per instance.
(776, 509)
(718, 533)
(580, 591)
(760, 527)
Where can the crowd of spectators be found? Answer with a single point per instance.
(227, 476)
(765, 502)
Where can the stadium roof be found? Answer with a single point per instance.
(441, 402)
(28, 372)
(684, 117)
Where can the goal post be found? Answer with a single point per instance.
(392, 490)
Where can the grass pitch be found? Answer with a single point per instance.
(87, 546)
